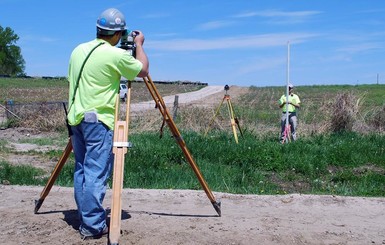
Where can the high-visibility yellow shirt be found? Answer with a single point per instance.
(293, 98)
(99, 82)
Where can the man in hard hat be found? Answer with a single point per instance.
(95, 70)
(293, 105)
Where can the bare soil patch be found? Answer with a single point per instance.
(187, 217)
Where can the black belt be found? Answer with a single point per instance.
(289, 112)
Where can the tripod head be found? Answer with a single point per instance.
(127, 41)
(227, 88)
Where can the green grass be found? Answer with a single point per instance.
(20, 175)
(341, 164)
(46, 141)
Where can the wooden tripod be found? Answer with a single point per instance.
(119, 149)
(120, 146)
(233, 119)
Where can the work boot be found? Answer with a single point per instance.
(85, 235)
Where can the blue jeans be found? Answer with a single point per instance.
(92, 144)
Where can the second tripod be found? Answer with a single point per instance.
(233, 119)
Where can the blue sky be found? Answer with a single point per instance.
(235, 42)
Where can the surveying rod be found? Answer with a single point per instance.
(160, 104)
(287, 90)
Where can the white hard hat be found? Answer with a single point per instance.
(110, 21)
(291, 85)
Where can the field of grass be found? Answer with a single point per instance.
(348, 162)
(22, 90)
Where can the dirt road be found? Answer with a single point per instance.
(183, 98)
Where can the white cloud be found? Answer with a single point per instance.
(245, 14)
(362, 47)
(277, 13)
(280, 17)
(154, 15)
(214, 25)
(33, 38)
(169, 34)
(251, 41)
(335, 57)
(261, 65)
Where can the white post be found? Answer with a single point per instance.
(378, 78)
(287, 89)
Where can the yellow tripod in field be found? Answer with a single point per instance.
(120, 146)
(233, 119)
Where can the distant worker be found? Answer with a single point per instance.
(293, 105)
(95, 70)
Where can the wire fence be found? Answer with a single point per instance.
(144, 116)
(22, 110)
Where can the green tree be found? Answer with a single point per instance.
(11, 60)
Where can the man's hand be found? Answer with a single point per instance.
(138, 38)
(140, 54)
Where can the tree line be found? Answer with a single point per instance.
(11, 61)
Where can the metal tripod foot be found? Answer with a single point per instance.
(217, 207)
(38, 204)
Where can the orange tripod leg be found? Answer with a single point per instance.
(55, 173)
(160, 104)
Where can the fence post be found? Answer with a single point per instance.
(175, 109)
(9, 108)
(9, 105)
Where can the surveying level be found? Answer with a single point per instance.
(120, 145)
(233, 119)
